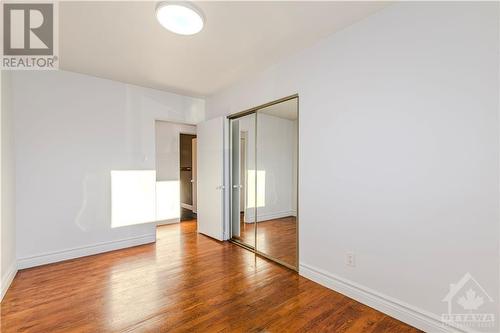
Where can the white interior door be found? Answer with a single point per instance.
(210, 177)
(194, 172)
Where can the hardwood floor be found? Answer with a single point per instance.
(186, 282)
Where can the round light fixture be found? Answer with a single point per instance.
(180, 17)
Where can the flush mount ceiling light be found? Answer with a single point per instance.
(180, 17)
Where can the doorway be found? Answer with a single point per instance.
(175, 172)
(187, 161)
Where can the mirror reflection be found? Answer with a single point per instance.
(242, 133)
(264, 181)
(277, 181)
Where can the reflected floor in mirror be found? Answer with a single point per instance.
(247, 232)
(185, 282)
(276, 238)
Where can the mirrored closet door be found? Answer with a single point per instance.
(277, 181)
(243, 135)
(264, 171)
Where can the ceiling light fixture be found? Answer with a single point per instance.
(180, 17)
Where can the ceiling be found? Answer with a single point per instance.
(121, 40)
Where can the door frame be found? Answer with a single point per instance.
(155, 145)
(254, 110)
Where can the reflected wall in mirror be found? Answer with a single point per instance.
(242, 160)
(276, 192)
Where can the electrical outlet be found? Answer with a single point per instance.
(350, 259)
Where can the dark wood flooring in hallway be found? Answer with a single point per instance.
(185, 282)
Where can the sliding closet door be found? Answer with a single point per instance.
(276, 183)
(242, 166)
(264, 180)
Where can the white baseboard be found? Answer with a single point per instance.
(270, 216)
(409, 314)
(170, 221)
(7, 279)
(52, 257)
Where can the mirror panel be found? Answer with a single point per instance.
(242, 163)
(276, 183)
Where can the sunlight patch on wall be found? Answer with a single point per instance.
(261, 188)
(133, 197)
(168, 200)
(136, 197)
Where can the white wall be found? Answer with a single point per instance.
(295, 162)
(400, 111)
(71, 130)
(8, 265)
(275, 144)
